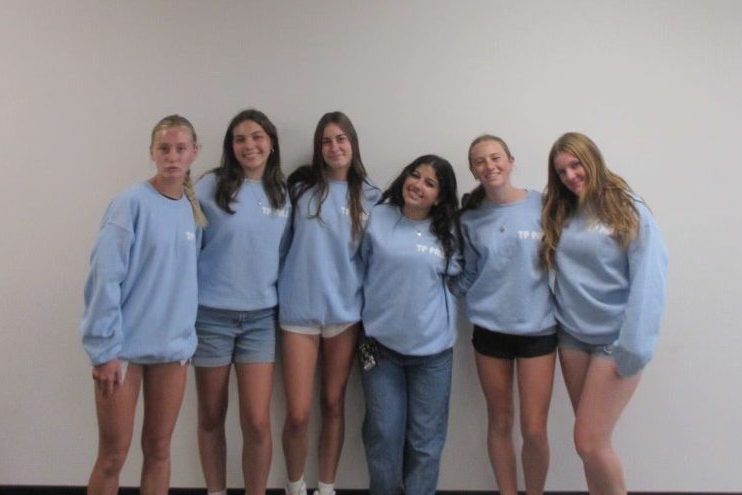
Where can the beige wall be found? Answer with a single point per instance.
(657, 85)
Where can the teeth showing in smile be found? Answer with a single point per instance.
(414, 194)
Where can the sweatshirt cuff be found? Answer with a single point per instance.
(628, 363)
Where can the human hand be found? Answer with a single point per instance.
(108, 376)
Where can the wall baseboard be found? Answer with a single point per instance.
(80, 490)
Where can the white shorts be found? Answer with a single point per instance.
(325, 331)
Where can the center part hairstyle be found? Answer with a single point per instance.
(229, 173)
(308, 176)
(607, 197)
(473, 199)
(444, 224)
(170, 122)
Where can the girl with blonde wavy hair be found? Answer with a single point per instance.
(608, 266)
(140, 308)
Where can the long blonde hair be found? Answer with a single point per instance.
(179, 121)
(608, 198)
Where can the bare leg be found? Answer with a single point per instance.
(574, 365)
(212, 385)
(164, 385)
(604, 396)
(255, 382)
(337, 361)
(496, 379)
(535, 384)
(115, 428)
(299, 364)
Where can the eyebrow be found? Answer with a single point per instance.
(243, 134)
(431, 179)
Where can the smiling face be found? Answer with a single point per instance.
(571, 172)
(420, 192)
(251, 146)
(490, 164)
(337, 151)
(173, 151)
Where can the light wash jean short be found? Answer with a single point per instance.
(226, 336)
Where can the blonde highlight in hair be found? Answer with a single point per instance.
(607, 197)
(169, 122)
(198, 214)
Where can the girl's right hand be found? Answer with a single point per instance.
(108, 376)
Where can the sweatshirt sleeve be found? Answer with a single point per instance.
(647, 257)
(459, 285)
(101, 330)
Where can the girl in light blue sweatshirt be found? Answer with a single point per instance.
(609, 264)
(509, 302)
(319, 293)
(140, 307)
(246, 202)
(409, 250)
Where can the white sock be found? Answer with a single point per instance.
(294, 487)
(326, 488)
(220, 492)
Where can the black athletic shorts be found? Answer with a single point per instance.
(507, 346)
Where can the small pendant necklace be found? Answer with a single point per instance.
(247, 182)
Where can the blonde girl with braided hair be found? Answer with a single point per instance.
(140, 307)
(608, 267)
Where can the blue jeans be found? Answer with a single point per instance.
(406, 421)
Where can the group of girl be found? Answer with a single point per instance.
(361, 272)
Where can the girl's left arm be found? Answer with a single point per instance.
(647, 257)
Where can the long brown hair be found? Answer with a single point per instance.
(607, 197)
(179, 121)
(229, 173)
(302, 179)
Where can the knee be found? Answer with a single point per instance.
(333, 407)
(156, 450)
(211, 419)
(535, 436)
(590, 445)
(501, 423)
(256, 428)
(111, 461)
(296, 421)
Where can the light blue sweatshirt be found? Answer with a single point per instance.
(141, 296)
(239, 260)
(606, 295)
(506, 290)
(320, 281)
(408, 307)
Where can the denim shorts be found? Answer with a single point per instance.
(507, 346)
(226, 336)
(567, 341)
